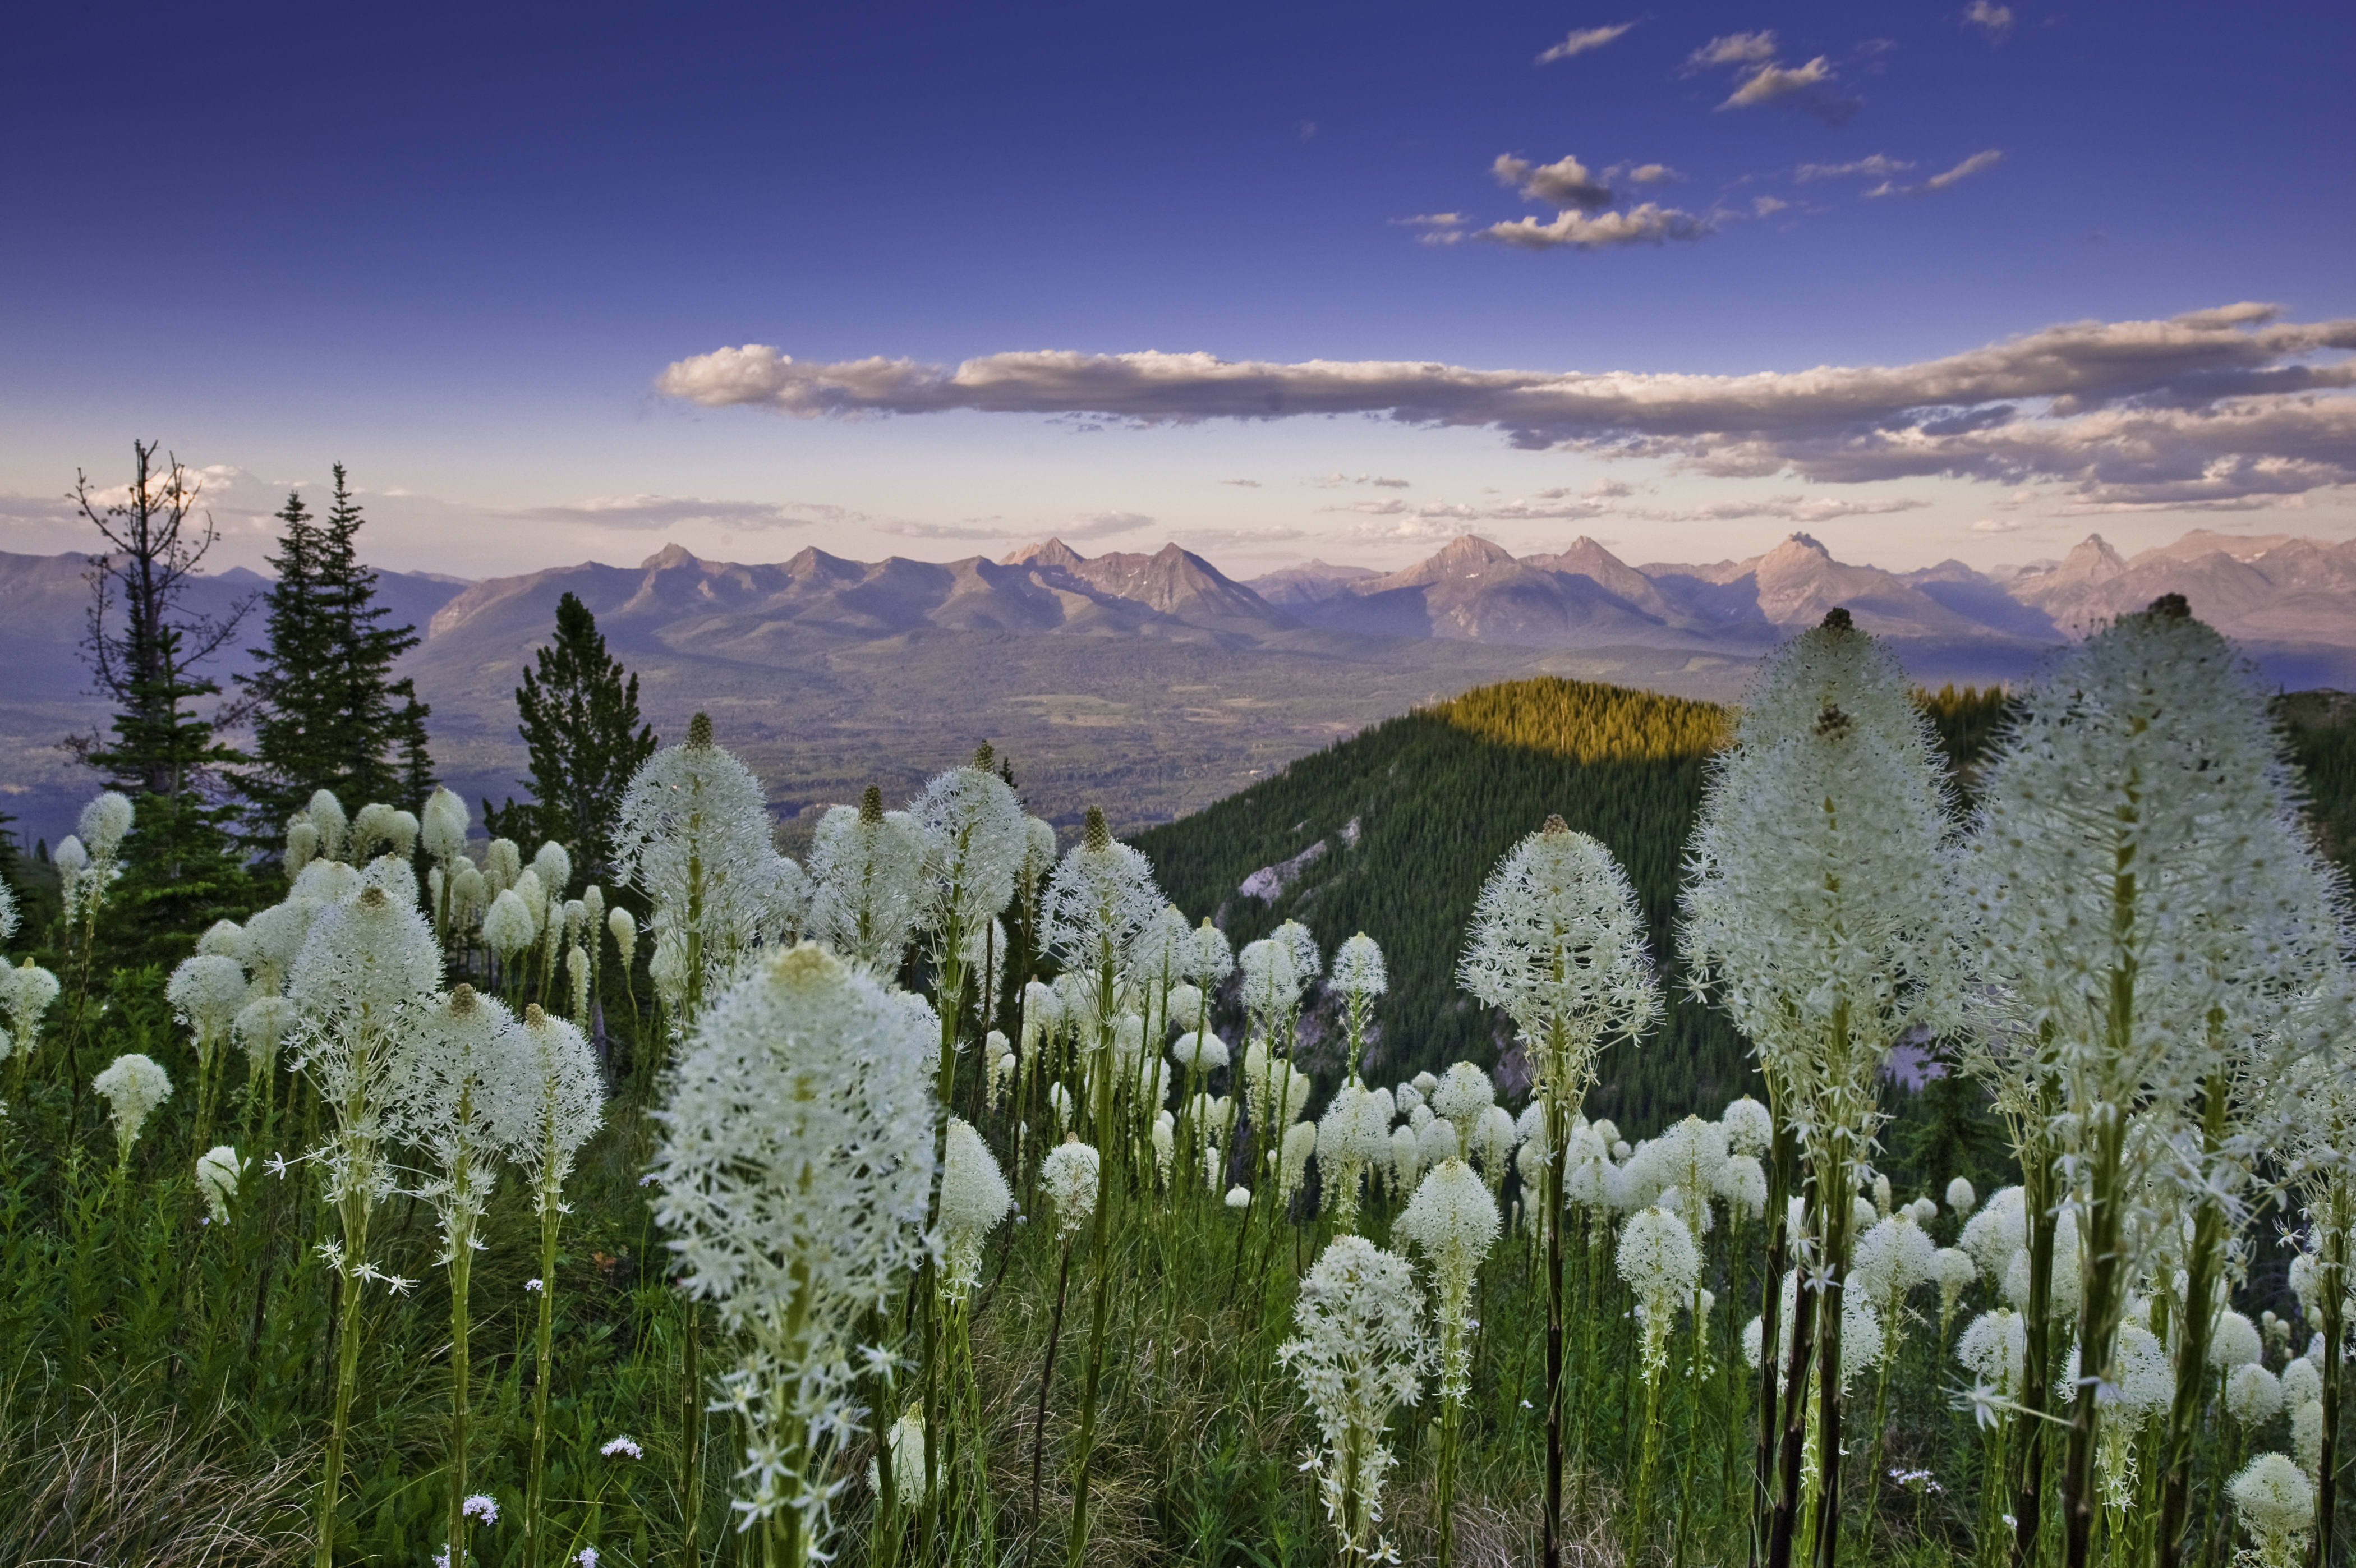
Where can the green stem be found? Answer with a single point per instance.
(535, 1499)
(355, 1216)
(461, 1263)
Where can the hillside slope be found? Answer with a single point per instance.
(1412, 813)
(1393, 830)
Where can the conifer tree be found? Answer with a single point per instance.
(330, 713)
(578, 713)
(180, 872)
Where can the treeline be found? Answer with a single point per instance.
(319, 705)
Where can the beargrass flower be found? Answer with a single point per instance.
(1960, 1196)
(217, 1169)
(795, 1167)
(2254, 1396)
(132, 1086)
(974, 1199)
(1070, 1174)
(2277, 1506)
(2146, 895)
(1658, 1260)
(27, 992)
(1359, 1353)
(1238, 1198)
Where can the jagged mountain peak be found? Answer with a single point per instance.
(1798, 544)
(1049, 552)
(669, 556)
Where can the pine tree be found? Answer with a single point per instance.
(578, 713)
(330, 713)
(180, 873)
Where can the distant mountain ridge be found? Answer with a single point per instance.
(1153, 681)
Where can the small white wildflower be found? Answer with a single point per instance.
(1238, 1198)
(1070, 1173)
(217, 1169)
(1360, 1354)
(531, 1284)
(1658, 1260)
(974, 1199)
(2276, 1505)
(482, 1506)
(624, 1446)
(2253, 1395)
(132, 1086)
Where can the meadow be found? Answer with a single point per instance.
(957, 1195)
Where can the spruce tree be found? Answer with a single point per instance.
(180, 873)
(328, 712)
(578, 713)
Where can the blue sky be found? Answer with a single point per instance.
(483, 254)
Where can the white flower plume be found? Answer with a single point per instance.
(1559, 944)
(795, 1168)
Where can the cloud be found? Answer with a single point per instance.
(1439, 228)
(1996, 21)
(1333, 481)
(1962, 171)
(1652, 174)
(1648, 224)
(1999, 525)
(1878, 166)
(1565, 183)
(1767, 206)
(1735, 48)
(652, 513)
(1792, 509)
(903, 529)
(1246, 484)
(1582, 40)
(2199, 410)
(1771, 82)
(1084, 525)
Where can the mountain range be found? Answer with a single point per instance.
(1155, 683)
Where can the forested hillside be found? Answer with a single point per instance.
(1412, 813)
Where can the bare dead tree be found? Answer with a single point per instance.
(138, 642)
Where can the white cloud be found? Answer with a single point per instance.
(1565, 183)
(1792, 509)
(656, 512)
(1582, 40)
(1652, 174)
(2202, 408)
(1964, 171)
(1244, 484)
(1648, 224)
(1439, 228)
(1878, 166)
(1998, 525)
(1767, 206)
(1334, 480)
(1736, 48)
(1996, 21)
(1084, 525)
(1771, 82)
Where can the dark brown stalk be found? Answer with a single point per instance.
(2193, 1354)
(1785, 1524)
(1048, 1376)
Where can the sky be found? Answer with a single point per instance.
(1273, 281)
